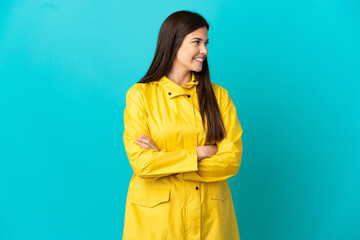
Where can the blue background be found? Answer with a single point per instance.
(292, 69)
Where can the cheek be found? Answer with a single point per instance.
(187, 54)
(191, 54)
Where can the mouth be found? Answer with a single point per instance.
(199, 60)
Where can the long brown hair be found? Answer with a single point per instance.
(172, 33)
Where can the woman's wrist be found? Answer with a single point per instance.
(206, 151)
(200, 153)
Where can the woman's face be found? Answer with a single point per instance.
(192, 52)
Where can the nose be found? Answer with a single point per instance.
(204, 49)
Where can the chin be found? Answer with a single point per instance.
(197, 70)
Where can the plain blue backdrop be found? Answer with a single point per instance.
(292, 69)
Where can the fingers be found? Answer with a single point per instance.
(145, 139)
(142, 142)
(144, 145)
(146, 142)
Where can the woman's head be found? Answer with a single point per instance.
(176, 40)
(192, 51)
(175, 46)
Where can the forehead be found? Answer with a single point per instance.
(200, 33)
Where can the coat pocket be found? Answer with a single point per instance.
(149, 196)
(219, 190)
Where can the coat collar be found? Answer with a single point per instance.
(172, 89)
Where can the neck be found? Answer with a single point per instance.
(180, 78)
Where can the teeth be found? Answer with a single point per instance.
(199, 59)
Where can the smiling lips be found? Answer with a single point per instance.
(199, 60)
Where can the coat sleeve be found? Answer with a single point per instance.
(226, 162)
(148, 162)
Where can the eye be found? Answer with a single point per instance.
(197, 42)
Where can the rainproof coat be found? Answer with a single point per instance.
(172, 195)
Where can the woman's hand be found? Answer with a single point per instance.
(206, 151)
(146, 142)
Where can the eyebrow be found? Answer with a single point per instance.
(200, 38)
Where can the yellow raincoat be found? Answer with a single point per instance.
(172, 196)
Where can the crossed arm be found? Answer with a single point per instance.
(202, 151)
(204, 163)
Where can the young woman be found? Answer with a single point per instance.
(183, 140)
